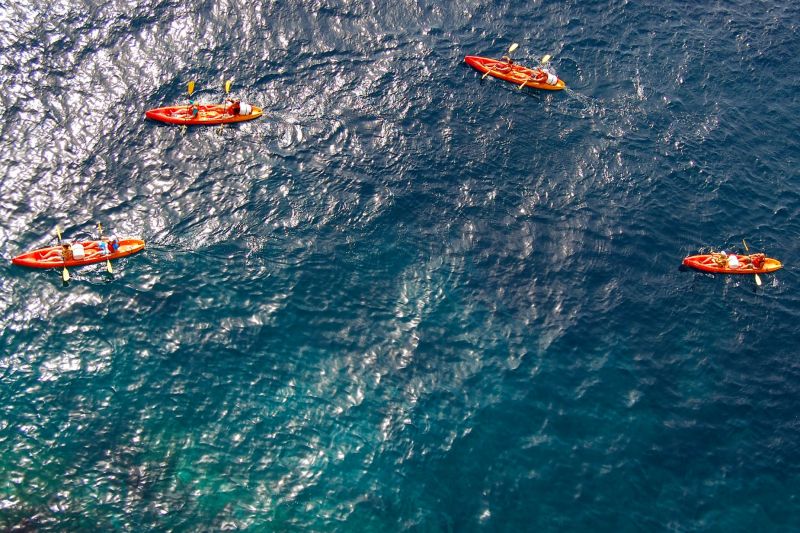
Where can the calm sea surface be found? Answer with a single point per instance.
(405, 299)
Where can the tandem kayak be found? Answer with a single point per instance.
(208, 114)
(723, 264)
(536, 78)
(84, 253)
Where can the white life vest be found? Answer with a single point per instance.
(552, 79)
(733, 261)
(77, 251)
(245, 109)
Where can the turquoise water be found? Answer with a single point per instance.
(404, 299)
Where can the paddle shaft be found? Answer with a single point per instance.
(65, 272)
(100, 236)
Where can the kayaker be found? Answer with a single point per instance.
(506, 64)
(733, 261)
(539, 75)
(758, 260)
(113, 243)
(103, 245)
(550, 75)
(234, 106)
(66, 251)
(194, 108)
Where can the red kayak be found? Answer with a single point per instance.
(207, 114)
(80, 253)
(720, 263)
(538, 78)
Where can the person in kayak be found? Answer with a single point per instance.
(725, 260)
(195, 109)
(506, 64)
(721, 259)
(548, 74)
(105, 246)
(538, 75)
(66, 251)
(234, 106)
(757, 260)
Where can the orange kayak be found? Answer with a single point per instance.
(207, 114)
(535, 78)
(90, 252)
(721, 264)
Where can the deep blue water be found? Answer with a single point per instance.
(405, 299)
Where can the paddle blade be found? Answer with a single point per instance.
(58, 233)
(746, 249)
(190, 88)
(513, 47)
(108, 266)
(545, 59)
(758, 280)
(228, 84)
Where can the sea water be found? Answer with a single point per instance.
(405, 299)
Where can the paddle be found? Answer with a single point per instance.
(511, 49)
(100, 236)
(190, 90)
(65, 272)
(542, 63)
(758, 278)
(228, 84)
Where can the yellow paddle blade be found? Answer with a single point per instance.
(513, 47)
(746, 249)
(108, 266)
(190, 88)
(228, 85)
(545, 59)
(58, 233)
